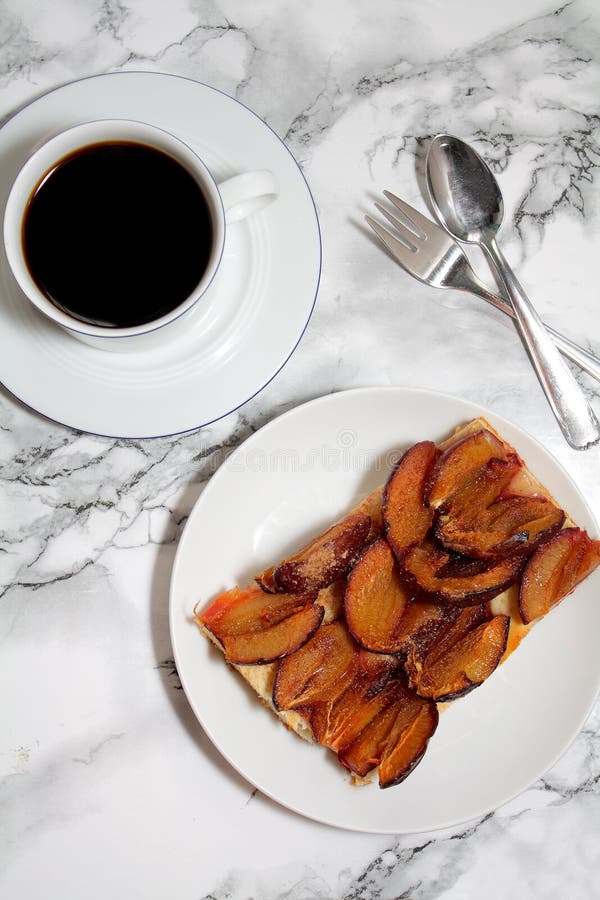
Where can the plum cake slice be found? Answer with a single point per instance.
(410, 601)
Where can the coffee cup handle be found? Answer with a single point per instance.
(245, 194)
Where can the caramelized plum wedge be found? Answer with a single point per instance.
(406, 516)
(422, 625)
(555, 569)
(315, 671)
(375, 599)
(456, 669)
(448, 633)
(385, 731)
(508, 525)
(366, 750)
(339, 721)
(432, 573)
(407, 742)
(468, 618)
(481, 489)
(244, 610)
(276, 642)
(255, 627)
(457, 465)
(326, 559)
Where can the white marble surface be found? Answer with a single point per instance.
(109, 786)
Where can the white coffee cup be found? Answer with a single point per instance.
(230, 201)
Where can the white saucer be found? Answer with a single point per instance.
(244, 329)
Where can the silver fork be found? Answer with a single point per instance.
(427, 252)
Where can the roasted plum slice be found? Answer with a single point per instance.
(243, 610)
(366, 751)
(423, 624)
(481, 489)
(407, 741)
(406, 516)
(555, 569)
(386, 730)
(255, 627)
(508, 525)
(325, 559)
(316, 671)
(468, 618)
(432, 573)
(338, 721)
(449, 631)
(375, 599)
(276, 642)
(459, 463)
(456, 668)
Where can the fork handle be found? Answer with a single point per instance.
(566, 398)
(583, 358)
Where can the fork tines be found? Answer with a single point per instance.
(411, 235)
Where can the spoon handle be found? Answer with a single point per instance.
(583, 358)
(573, 412)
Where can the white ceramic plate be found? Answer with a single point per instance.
(286, 482)
(247, 324)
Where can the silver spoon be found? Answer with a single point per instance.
(468, 202)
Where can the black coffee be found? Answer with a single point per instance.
(117, 234)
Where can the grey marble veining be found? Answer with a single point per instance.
(109, 785)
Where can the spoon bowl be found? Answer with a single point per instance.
(468, 214)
